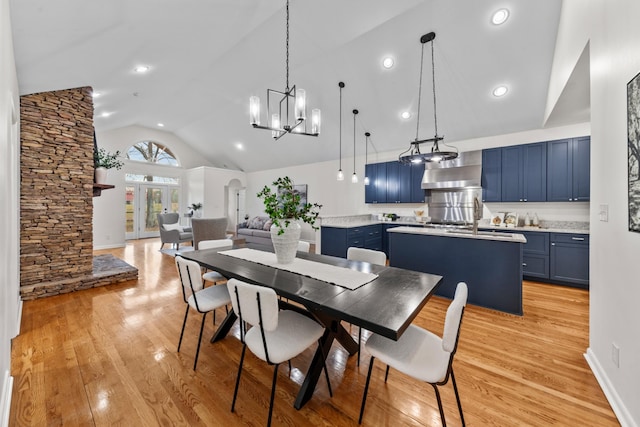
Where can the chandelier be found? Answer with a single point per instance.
(413, 154)
(281, 123)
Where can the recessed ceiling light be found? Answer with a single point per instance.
(106, 114)
(405, 115)
(161, 125)
(500, 91)
(141, 69)
(96, 94)
(388, 62)
(239, 146)
(500, 16)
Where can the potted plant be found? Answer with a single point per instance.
(285, 208)
(194, 208)
(103, 161)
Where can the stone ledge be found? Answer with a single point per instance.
(107, 269)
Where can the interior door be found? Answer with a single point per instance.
(152, 200)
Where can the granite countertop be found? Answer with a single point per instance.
(464, 234)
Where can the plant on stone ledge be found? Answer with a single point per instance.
(103, 159)
(285, 204)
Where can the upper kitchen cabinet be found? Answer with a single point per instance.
(568, 166)
(392, 182)
(492, 175)
(524, 173)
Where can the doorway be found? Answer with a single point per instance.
(143, 202)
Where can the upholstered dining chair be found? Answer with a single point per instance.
(276, 336)
(171, 231)
(208, 229)
(214, 276)
(304, 246)
(422, 354)
(197, 297)
(372, 257)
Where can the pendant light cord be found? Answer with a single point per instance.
(420, 92)
(287, 49)
(355, 112)
(341, 85)
(433, 82)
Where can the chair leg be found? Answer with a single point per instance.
(455, 389)
(204, 317)
(386, 374)
(235, 393)
(366, 390)
(183, 325)
(273, 393)
(435, 387)
(359, 343)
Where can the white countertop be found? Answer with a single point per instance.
(464, 234)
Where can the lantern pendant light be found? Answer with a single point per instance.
(366, 155)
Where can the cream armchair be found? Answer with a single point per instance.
(171, 231)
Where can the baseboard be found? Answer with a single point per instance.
(118, 245)
(618, 406)
(5, 403)
(19, 319)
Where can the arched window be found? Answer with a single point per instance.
(152, 152)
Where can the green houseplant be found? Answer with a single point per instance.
(104, 159)
(286, 209)
(284, 205)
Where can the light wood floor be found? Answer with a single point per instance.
(107, 356)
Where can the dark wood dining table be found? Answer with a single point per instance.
(385, 306)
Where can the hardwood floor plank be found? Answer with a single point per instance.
(108, 356)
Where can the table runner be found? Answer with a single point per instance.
(340, 276)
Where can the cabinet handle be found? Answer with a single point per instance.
(580, 239)
(553, 244)
(524, 264)
(525, 200)
(571, 200)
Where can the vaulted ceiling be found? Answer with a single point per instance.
(207, 57)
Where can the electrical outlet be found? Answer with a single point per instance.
(604, 213)
(615, 354)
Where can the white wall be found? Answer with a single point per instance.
(614, 37)
(10, 306)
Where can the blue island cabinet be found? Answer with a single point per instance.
(492, 269)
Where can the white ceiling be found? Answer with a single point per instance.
(208, 57)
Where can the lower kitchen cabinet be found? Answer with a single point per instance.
(535, 254)
(336, 240)
(570, 259)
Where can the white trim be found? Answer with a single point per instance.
(618, 406)
(5, 403)
(118, 245)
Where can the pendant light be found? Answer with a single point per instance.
(413, 154)
(278, 123)
(366, 155)
(340, 176)
(354, 177)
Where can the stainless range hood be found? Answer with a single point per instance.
(462, 172)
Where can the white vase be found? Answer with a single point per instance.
(286, 244)
(101, 175)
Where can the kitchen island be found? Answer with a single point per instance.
(490, 263)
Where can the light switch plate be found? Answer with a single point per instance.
(604, 213)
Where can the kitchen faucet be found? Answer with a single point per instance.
(477, 214)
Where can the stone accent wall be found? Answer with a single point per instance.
(56, 190)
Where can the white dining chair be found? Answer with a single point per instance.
(276, 336)
(372, 257)
(422, 354)
(197, 297)
(214, 276)
(304, 246)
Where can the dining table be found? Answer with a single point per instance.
(386, 304)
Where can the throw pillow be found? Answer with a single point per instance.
(267, 225)
(169, 227)
(257, 222)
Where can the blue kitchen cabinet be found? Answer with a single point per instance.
(393, 182)
(524, 173)
(336, 240)
(492, 175)
(381, 183)
(370, 171)
(417, 193)
(568, 167)
(569, 256)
